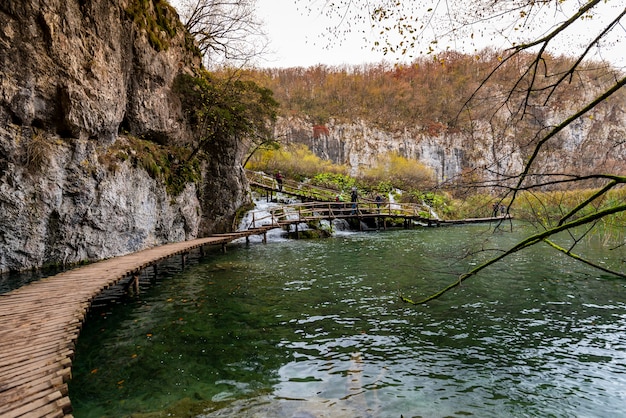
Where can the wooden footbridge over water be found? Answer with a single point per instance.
(409, 214)
(40, 322)
(320, 204)
(300, 190)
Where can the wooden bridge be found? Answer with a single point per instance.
(286, 215)
(40, 322)
(322, 205)
(303, 191)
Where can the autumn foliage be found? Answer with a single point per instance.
(429, 94)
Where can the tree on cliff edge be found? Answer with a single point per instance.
(224, 106)
(529, 28)
(226, 31)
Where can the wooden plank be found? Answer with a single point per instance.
(56, 300)
(29, 404)
(54, 408)
(31, 394)
(56, 382)
(37, 354)
(33, 371)
(24, 338)
(55, 341)
(47, 399)
(51, 376)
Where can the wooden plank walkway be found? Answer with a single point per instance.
(294, 214)
(40, 322)
(303, 191)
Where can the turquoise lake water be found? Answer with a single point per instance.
(315, 328)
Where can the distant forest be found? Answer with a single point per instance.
(430, 94)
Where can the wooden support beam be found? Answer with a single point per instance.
(136, 284)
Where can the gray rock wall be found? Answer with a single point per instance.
(70, 208)
(592, 143)
(75, 78)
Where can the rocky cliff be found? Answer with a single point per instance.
(79, 80)
(593, 143)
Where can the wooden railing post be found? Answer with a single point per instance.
(135, 280)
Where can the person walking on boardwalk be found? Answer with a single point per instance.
(495, 208)
(279, 181)
(354, 196)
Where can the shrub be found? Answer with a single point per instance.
(335, 181)
(400, 172)
(35, 152)
(295, 161)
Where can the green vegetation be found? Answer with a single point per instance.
(295, 161)
(158, 19)
(336, 181)
(170, 164)
(224, 107)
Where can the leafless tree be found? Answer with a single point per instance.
(226, 31)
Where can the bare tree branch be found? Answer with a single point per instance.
(582, 260)
(227, 31)
(532, 240)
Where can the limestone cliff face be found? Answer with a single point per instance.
(594, 142)
(77, 77)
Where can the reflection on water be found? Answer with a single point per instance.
(316, 329)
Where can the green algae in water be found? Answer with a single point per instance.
(316, 327)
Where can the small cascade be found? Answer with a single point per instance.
(261, 216)
(268, 212)
(432, 214)
(340, 225)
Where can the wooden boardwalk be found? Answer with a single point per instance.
(315, 211)
(285, 215)
(303, 191)
(40, 322)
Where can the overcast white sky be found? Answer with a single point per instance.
(296, 36)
